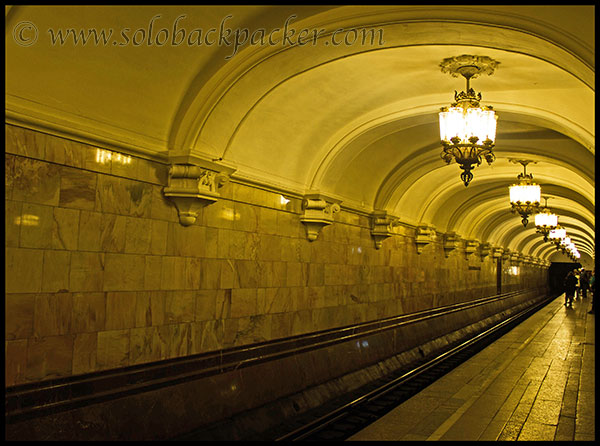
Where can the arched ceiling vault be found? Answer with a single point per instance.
(352, 120)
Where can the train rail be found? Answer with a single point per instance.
(340, 423)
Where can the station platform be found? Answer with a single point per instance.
(536, 382)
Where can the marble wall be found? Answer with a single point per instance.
(100, 274)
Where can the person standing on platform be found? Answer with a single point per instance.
(570, 285)
(593, 290)
(584, 283)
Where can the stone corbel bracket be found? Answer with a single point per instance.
(318, 213)
(382, 226)
(425, 234)
(497, 252)
(451, 242)
(484, 250)
(191, 187)
(506, 255)
(516, 258)
(470, 247)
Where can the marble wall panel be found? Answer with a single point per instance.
(185, 241)
(15, 355)
(49, 357)
(120, 310)
(179, 306)
(152, 172)
(144, 310)
(85, 347)
(23, 269)
(138, 235)
(160, 207)
(206, 336)
(158, 239)
(112, 195)
(146, 345)
(36, 226)
(193, 273)
(89, 312)
(112, 349)
(12, 223)
(65, 228)
(56, 269)
(152, 272)
(18, 316)
(243, 272)
(21, 141)
(77, 188)
(243, 302)
(247, 217)
(124, 272)
(9, 175)
(140, 197)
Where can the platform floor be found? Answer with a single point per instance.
(534, 383)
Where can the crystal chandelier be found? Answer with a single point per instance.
(545, 221)
(468, 130)
(525, 195)
(564, 243)
(557, 235)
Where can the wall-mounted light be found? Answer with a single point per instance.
(468, 130)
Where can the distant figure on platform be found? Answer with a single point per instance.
(577, 274)
(593, 290)
(570, 285)
(584, 283)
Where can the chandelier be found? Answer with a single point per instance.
(468, 130)
(557, 235)
(525, 195)
(545, 221)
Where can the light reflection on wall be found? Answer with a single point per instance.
(105, 156)
(27, 220)
(513, 270)
(230, 214)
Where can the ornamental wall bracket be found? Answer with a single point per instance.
(470, 247)
(425, 235)
(451, 242)
(506, 255)
(497, 252)
(318, 213)
(192, 187)
(516, 258)
(484, 250)
(382, 226)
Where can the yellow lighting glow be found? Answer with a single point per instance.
(27, 220)
(105, 156)
(547, 220)
(523, 193)
(559, 233)
(467, 123)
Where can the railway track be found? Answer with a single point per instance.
(340, 423)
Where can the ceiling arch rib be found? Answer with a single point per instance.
(404, 26)
(355, 121)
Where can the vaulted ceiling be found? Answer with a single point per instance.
(357, 121)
